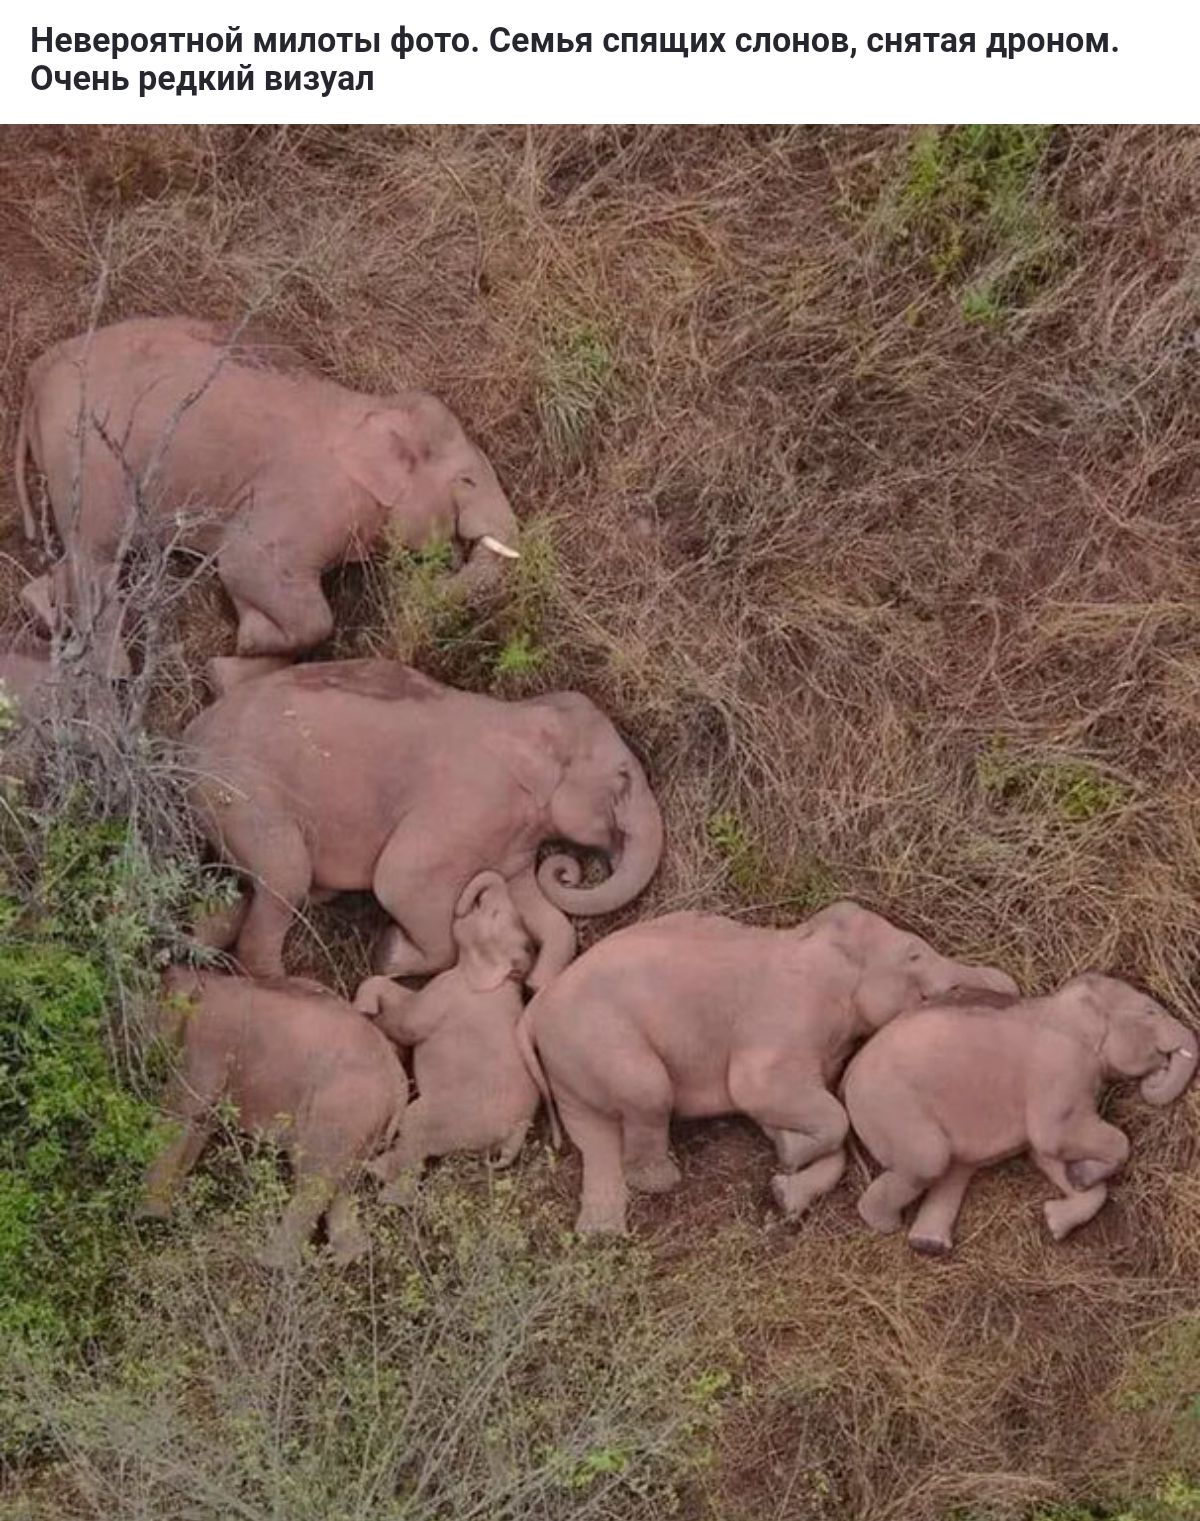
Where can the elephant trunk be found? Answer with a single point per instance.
(1179, 1045)
(634, 863)
(488, 527)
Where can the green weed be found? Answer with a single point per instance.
(418, 604)
(972, 203)
(806, 886)
(1074, 791)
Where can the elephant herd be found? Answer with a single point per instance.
(456, 810)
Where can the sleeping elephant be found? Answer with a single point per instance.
(697, 1015)
(358, 774)
(950, 1089)
(231, 448)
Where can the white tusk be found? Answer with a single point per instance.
(499, 549)
(1183, 1051)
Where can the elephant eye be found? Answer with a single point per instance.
(465, 480)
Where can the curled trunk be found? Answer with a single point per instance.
(1180, 1046)
(633, 864)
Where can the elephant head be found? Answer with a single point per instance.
(601, 801)
(899, 970)
(415, 452)
(1138, 1038)
(492, 941)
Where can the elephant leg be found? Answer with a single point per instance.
(280, 610)
(348, 1241)
(784, 1099)
(932, 1230)
(510, 1147)
(400, 1168)
(314, 1192)
(279, 889)
(190, 1098)
(418, 890)
(1093, 1150)
(796, 1192)
(170, 1167)
(218, 928)
(1076, 1207)
(37, 597)
(646, 1158)
(225, 672)
(886, 1198)
(549, 927)
(603, 1197)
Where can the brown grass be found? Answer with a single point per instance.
(907, 602)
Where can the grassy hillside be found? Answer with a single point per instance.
(860, 471)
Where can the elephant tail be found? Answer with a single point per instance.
(399, 1105)
(524, 1033)
(19, 461)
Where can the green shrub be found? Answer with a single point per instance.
(73, 1144)
(482, 1364)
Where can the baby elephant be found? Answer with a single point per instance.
(476, 1089)
(945, 1090)
(697, 1015)
(296, 1063)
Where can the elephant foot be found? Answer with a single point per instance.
(280, 1255)
(928, 1245)
(657, 1175)
(402, 1190)
(601, 1220)
(1063, 1216)
(349, 1245)
(1087, 1173)
(153, 1207)
(396, 956)
(225, 672)
(879, 1217)
(37, 596)
(792, 1198)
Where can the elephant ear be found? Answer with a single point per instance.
(484, 969)
(378, 455)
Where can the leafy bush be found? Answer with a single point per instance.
(483, 1364)
(73, 1143)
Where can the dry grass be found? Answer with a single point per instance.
(867, 507)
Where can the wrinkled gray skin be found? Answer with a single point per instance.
(697, 1015)
(297, 1064)
(360, 774)
(233, 449)
(475, 1089)
(944, 1091)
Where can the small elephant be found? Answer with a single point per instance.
(296, 1063)
(360, 774)
(231, 448)
(476, 1089)
(698, 1015)
(947, 1090)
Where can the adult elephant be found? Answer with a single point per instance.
(197, 438)
(366, 774)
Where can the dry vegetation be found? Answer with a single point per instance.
(862, 469)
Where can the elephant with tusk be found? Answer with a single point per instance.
(177, 432)
(365, 774)
(949, 1089)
